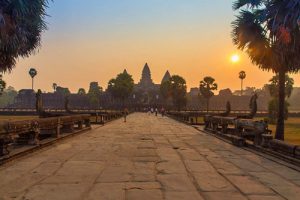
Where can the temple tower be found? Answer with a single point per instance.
(146, 80)
(166, 77)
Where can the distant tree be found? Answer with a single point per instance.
(54, 86)
(274, 92)
(178, 91)
(207, 86)
(249, 91)
(94, 94)
(121, 87)
(294, 99)
(242, 76)
(165, 90)
(225, 92)
(8, 96)
(81, 91)
(21, 25)
(273, 86)
(32, 72)
(63, 91)
(269, 32)
(273, 110)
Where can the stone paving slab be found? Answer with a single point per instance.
(146, 158)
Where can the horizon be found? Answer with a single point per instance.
(190, 38)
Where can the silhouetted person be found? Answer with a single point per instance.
(125, 114)
(156, 111)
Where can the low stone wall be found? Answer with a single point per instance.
(32, 132)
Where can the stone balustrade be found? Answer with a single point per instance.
(31, 132)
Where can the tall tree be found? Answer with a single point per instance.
(242, 76)
(178, 91)
(121, 87)
(165, 90)
(269, 32)
(32, 72)
(21, 25)
(63, 91)
(274, 92)
(94, 94)
(207, 86)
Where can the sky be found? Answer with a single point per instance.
(94, 40)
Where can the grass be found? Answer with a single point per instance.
(292, 130)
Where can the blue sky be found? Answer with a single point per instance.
(94, 40)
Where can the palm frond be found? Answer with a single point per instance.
(249, 3)
(21, 29)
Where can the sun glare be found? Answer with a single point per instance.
(235, 58)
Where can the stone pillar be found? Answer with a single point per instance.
(266, 139)
(58, 126)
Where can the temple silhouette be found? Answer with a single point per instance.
(146, 83)
(146, 93)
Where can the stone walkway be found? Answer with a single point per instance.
(147, 158)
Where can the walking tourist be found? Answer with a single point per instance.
(125, 113)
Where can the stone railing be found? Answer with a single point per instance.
(104, 117)
(14, 134)
(285, 148)
(251, 133)
(239, 130)
(189, 117)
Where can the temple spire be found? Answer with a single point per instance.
(166, 77)
(146, 76)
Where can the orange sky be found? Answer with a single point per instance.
(187, 38)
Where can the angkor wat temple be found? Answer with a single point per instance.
(146, 93)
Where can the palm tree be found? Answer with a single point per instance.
(242, 76)
(207, 86)
(269, 32)
(21, 25)
(32, 73)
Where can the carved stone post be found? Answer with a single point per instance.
(266, 139)
(87, 123)
(80, 124)
(58, 128)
